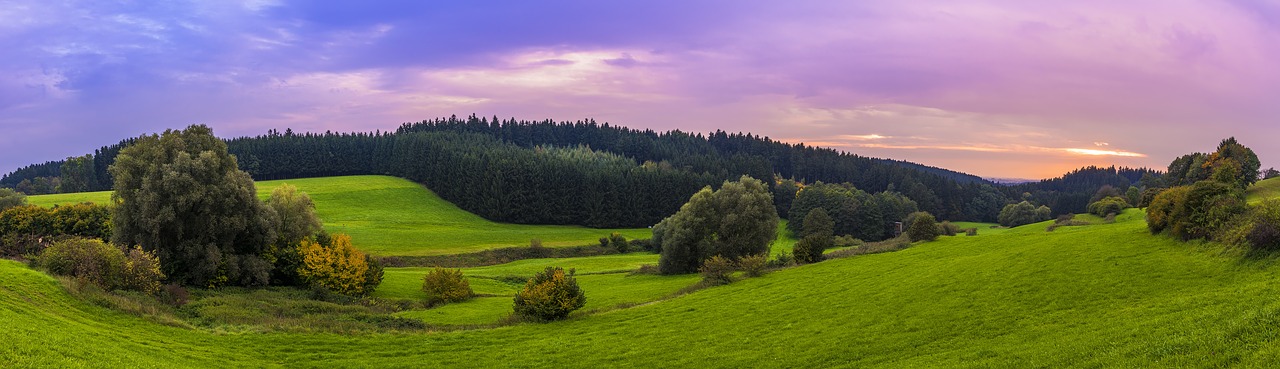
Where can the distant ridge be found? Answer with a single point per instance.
(946, 173)
(1009, 181)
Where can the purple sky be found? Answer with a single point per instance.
(1006, 89)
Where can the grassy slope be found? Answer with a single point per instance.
(1100, 295)
(393, 216)
(1265, 189)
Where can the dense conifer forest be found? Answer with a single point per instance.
(593, 174)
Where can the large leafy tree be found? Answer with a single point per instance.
(297, 222)
(737, 220)
(181, 195)
(1234, 163)
(78, 174)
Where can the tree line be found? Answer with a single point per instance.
(594, 174)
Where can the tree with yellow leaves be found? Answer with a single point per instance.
(337, 266)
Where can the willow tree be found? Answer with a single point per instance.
(181, 195)
(737, 220)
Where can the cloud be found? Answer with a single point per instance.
(1092, 152)
(998, 88)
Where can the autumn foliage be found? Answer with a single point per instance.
(337, 266)
(446, 285)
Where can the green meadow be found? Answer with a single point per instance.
(1098, 295)
(388, 216)
(1104, 295)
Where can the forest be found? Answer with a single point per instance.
(586, 173)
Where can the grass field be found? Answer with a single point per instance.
(1265, 189)
(1108, 295)
(1101, 295)
(606, 281)
(388, 216)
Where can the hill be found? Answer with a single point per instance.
(1099, 295)
(388, 216)
(1264, 189)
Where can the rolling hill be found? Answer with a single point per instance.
(1100, 295)
(388, 216)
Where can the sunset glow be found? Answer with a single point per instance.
(1001, 89)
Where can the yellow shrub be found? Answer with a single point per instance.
(337, 266)
(446, 285)
(549, 295)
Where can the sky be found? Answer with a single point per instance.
(1013, 89)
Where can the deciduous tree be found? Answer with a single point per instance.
(182, 196)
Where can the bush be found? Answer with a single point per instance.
(25, 245)
(971, 231)
(373, 275)
(549, 295)
(10, 198)
(618, 242)
(82, 220)
(846, 241)
(717, 270)
(446, 285)
(809, 249)
(90, 261)
(174, 294)
(141, 271)
(646, 245)
(1165, 207)
(104, 265)
(1108, 205)
(946, 228)
(1022, 213)
(337, 266)
(784, 259)
(923, 227)
(754, 265)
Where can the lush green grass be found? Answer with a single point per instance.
(1103, 295)
(983, 228)
(389, 216)
(606, 281)
(103, 197)
(1264, 189)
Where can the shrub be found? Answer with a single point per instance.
(646, 245)
(10, 198)
(373, 275)
(923, 227)
(90, 261)
(174, 294)
(754, 265)
(337, 266)
(949, 229)
(1210, 207)
(1108, 205)
(549, 295)
(1014, 215)
(784, 259)
(1165, 207)
(971, 231)
(141, 271)
(846, 241)
(717, 270)
(651, 269)
(809, 249)
(618, 241)
(446, 285)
